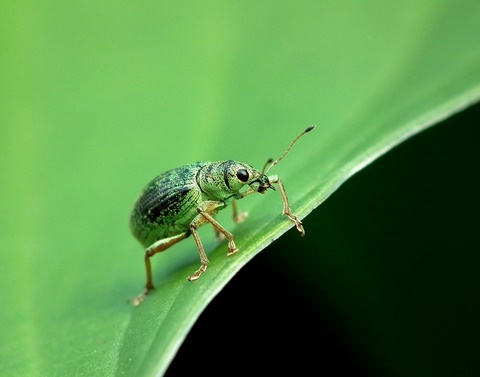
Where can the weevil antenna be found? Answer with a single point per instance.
(269, 161)
(288, 150)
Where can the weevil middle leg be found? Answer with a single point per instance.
(205, 214)
(238, 217)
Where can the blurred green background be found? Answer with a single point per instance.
(97, 98)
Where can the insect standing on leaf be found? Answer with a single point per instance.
(177, 202)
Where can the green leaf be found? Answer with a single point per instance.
(98, 98)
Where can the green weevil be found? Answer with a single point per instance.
(174, 204)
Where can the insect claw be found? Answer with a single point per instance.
(231, 252)
(198, 273)
(297, 222)
(139, 299)
(232, 248)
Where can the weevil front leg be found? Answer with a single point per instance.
(205, 214)
(287, 211)
(157, 247)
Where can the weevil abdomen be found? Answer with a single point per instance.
(167, 205)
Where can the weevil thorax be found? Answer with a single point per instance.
(223, 180)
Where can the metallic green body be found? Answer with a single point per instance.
(169, 203)
(177, 202)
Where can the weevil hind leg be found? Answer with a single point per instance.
(157, 247)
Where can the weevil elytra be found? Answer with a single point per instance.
(177, 202)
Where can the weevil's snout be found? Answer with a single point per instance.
(262, 184)
(262, 189)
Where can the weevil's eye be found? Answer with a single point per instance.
(242, 175)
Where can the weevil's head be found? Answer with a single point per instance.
(225, 179)
(236, 175)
